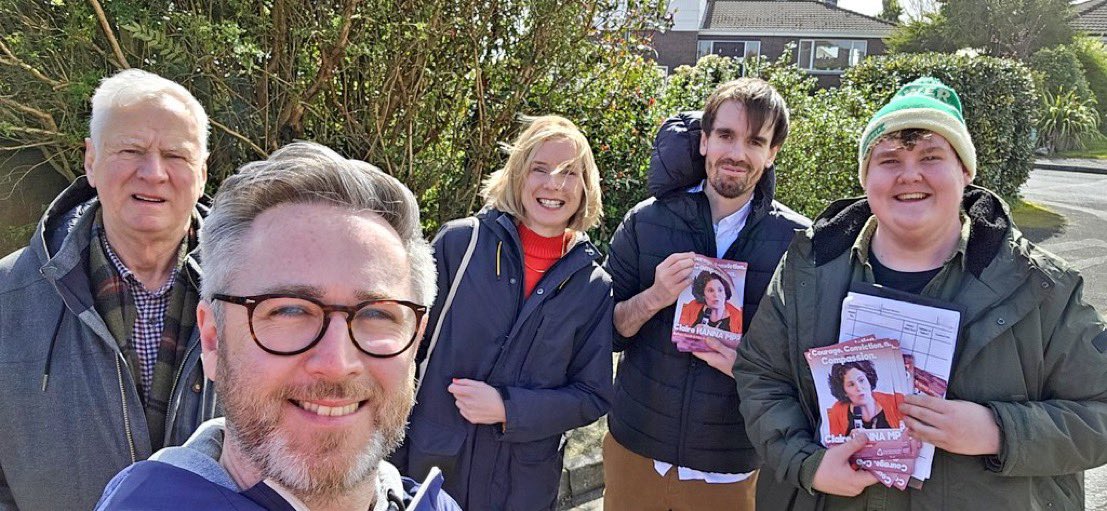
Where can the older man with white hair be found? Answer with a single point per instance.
(99, 352)
(318, 281)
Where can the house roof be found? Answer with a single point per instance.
(791, 18)
(1091, 17)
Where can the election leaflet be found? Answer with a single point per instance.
(860, 384)
(712, 306)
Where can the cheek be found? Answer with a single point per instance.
(530, 186)
(578, 192)
(393, 373)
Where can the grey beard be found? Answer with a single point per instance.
(253, 426)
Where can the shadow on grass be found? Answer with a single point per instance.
(1037, 222)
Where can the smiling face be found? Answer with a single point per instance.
(915, 187)
(735, 157)
(551, 195)
(148, 169)
(715, 294)
(318, 422)
(857, 386)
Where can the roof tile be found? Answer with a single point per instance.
(790, 16)
(1091, 17)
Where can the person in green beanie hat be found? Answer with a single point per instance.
(1026, 407)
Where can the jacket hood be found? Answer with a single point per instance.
(62, 216)
(676, 163)
(837, 227)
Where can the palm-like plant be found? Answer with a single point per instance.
(1067, 121)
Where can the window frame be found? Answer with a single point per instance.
(809, 66)
(710, 46)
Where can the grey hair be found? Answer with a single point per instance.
(306, 172)
(135, 86)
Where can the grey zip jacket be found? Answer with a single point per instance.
(70, 413)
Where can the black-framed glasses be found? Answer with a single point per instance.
(290, 324)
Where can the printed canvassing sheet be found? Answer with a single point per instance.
(926, 330)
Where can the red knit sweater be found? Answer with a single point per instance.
(539, 254)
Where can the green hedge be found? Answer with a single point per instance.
(999, 99)
(1093, 58)
(817, 163)
(1058, 69)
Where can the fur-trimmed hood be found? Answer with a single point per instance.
(837, 227)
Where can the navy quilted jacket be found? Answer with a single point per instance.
(669, 405)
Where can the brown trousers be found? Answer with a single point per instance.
(632, 484)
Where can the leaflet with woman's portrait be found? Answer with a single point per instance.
(712, 306)
(860, 384)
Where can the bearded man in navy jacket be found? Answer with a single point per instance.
(676, 437)
(317, 287)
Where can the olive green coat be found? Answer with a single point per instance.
(1030, 349)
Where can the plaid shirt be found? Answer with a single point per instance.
(150, 320)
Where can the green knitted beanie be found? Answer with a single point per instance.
(926, 104)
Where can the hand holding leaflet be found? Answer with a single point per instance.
(860, 386)
(721, 356)
(927, 330)
(959, 427)
(836, 476)
(710, 306)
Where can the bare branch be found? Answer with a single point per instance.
(332, 57)
(293, 112)
(109, 34)
(36, 132)
(25, 146)
(261, 152)
(52, 157)
(46, 119)
(12, 60)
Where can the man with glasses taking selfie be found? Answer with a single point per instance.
(316, 284)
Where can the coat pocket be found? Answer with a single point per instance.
(434, 445)
(535, 474)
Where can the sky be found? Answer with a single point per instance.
(870, 7)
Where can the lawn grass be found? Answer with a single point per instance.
(1096, 149)
(1033, 216)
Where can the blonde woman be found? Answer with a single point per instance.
(524, 352)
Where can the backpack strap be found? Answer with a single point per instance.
(449, 300)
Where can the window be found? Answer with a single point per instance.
(733, 49)
(831, 55)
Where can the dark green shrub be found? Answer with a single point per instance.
(818, 163)
(999, 100)
(1093, 57)
(1058, 69)
(688, 86)
(1068, 114)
